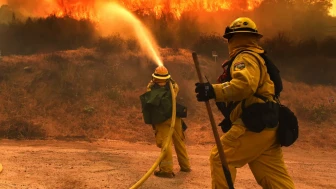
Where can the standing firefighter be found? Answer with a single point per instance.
(157, 111)
(246, 96)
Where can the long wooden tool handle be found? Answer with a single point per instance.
(214, 128)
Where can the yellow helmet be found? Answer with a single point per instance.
(161, 72)
(241, 25)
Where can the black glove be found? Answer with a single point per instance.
(204, 91)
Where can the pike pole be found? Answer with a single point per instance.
(214, 129)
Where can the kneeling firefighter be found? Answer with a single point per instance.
(246, 96)
(157, 111)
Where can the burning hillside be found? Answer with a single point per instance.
(296, 17)
(90, 8)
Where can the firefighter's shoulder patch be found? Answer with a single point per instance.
(238, 66)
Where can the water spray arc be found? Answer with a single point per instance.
(112, 12)
(149, 46)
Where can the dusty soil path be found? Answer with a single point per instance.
(118, 165)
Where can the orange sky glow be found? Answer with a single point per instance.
(88, 8)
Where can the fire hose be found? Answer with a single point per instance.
(166, 145)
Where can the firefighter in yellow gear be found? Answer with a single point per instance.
(161, 77)
(261, 151)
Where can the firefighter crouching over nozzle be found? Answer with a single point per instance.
(246, 83)
(157, 111)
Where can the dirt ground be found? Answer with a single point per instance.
(119, 165)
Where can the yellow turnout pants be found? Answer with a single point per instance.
(259, 150)
(161, 135)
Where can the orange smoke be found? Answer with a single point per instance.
(79, 9)
(88, 9)
(333, 9)
(177, 7)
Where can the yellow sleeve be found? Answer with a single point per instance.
(176, 88)
(245, 73)
(150, 84)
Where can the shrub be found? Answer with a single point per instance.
(206, 43)
(111, 44)
(328, 46)
(46, 35)
(114, 94)
(280, 45)
(21, 129)
(316, 113)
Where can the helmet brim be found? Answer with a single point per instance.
(228, 35)
(161, 77)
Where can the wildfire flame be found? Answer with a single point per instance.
(87, 9)
(333, 9)
(177, 7)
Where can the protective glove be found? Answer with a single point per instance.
(204, 91)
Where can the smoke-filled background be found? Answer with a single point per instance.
(174, 23)
(292, 29)
(77, 67)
